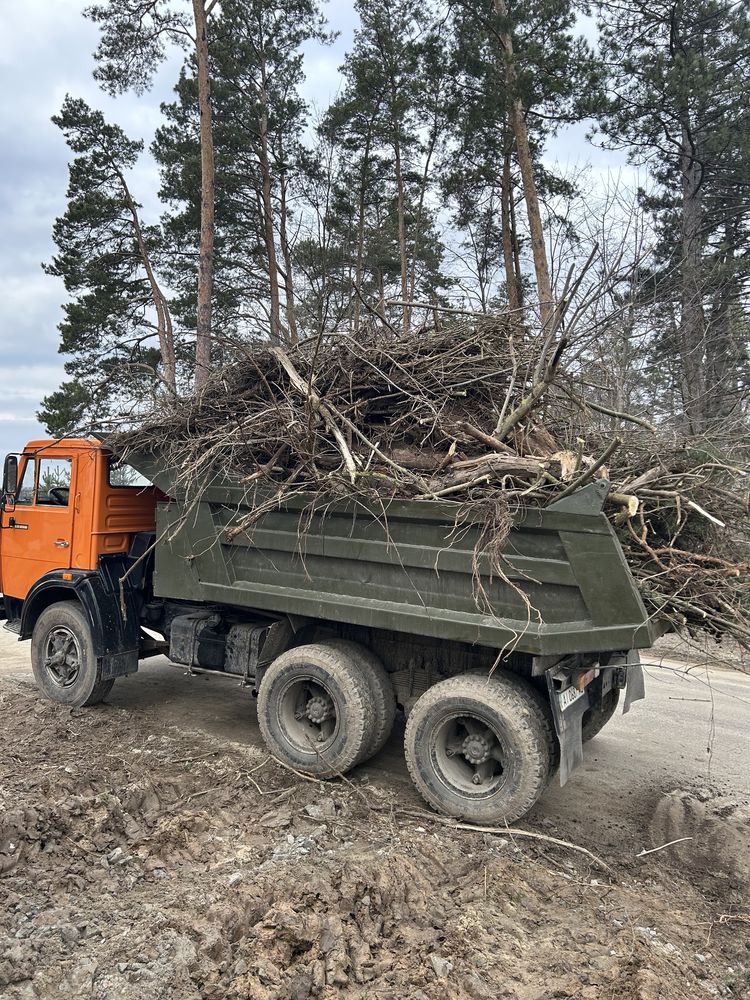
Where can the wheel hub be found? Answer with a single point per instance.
(62, 656)
(318, 709)
(476, 749)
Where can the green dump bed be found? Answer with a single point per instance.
(407, 567)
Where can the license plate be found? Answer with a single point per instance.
(566, 698)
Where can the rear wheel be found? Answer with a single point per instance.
(63, 659)
(479, 747)
(382, 695)
(553, 743)
(595, 719)
(313, 709)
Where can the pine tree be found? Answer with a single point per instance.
(389, 122)
(134, 40)
(117, 324)
(680, 103)
(256, 69)
(520, 73)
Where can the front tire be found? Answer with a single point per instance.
(63, 658)
(478, 747)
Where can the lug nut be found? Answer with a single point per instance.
(477, 779)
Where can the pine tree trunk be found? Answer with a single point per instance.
(361, 230)
(506, 200)
(164, 329)
(402, 234)
(692, 320)
(536, 230)
(206, 249)
(291, 315)
(722, 354)
(420, 205)
(268, 230)
(381, 292)
(516, 252)
(480, 260)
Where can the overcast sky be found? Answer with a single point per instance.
(45, 52)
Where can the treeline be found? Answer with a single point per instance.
(422, 189)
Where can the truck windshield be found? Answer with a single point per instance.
(120, 474)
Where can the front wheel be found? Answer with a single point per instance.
(63, 658)
(479, 747)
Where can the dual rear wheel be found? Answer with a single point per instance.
(596, 718)
(481, 747)
(476, 747)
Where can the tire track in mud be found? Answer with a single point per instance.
(138, 861)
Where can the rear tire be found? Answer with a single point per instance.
(382, 695)
(595, 719)
(63, 658)
(479, 748)
(314, 708)
(553, 743)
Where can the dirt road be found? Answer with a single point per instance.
(692, 731)
(150, 849)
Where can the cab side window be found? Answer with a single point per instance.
(53, 483)
(25, 494)
(120, 474)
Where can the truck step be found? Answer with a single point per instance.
(13, 625)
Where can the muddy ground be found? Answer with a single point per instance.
(144, 856)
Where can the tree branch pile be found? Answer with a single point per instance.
(470, 414)
(688, 542)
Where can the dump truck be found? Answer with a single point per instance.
(334, 614)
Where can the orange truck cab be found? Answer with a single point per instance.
(73, 523)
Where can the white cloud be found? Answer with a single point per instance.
(21, 391)
(27, 381)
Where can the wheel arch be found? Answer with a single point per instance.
(42, 595)
(115, 636)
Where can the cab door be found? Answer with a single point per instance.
(37, 534)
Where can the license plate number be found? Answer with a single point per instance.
(567, 697)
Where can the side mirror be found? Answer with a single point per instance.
(10, 475)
